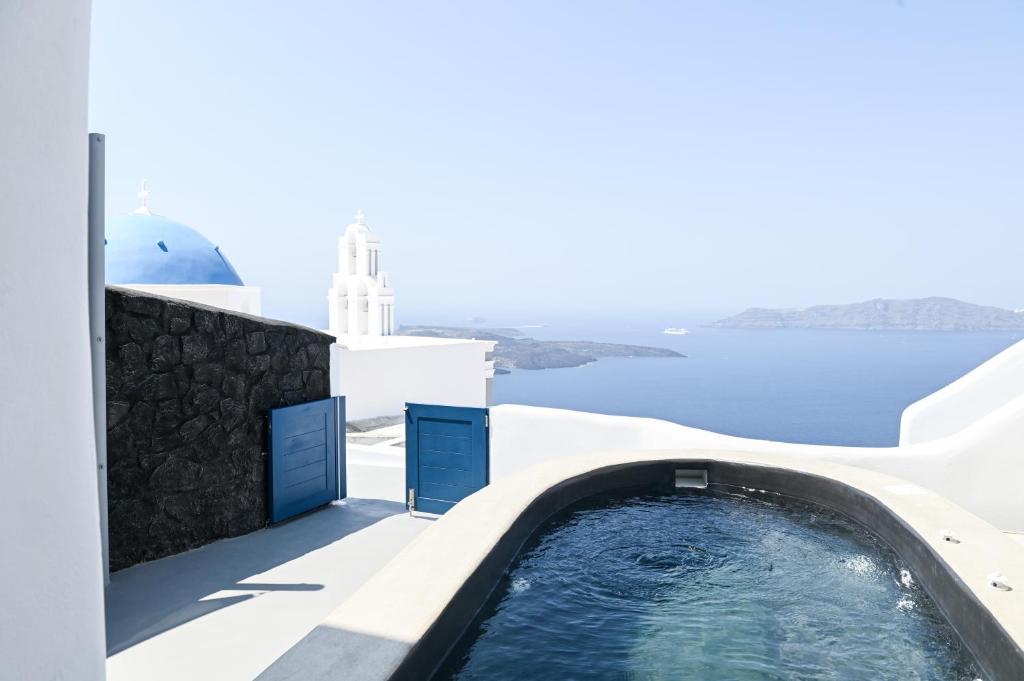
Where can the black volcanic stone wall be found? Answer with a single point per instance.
(188, 391)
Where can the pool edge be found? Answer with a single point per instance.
(405, 620)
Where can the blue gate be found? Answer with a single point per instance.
(307, 456)
(447, 456)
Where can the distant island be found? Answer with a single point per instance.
(881, 314)
(516, 351)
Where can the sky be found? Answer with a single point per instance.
(556, 157)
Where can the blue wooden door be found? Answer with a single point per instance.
(307, 456)
(446, 455)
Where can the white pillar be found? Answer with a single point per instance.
(354, 307)
(345, 251)
(51, 581)
(373, 316)
(362, 255)
(334, 317)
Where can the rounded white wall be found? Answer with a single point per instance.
(51, 584)
(979, 468)
(967, 400)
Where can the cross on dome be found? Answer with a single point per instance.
(143, 195)
(360, 216)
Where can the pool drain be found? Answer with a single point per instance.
(691, 477)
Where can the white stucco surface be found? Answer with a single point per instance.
(979, 468)
(376, 472)
(379, 375)
(229, 609)
(244, 299)
(51, 582)
(967, 400)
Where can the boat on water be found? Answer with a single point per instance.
(676, 331)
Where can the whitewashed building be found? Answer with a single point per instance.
(51, 576)
(377, 371)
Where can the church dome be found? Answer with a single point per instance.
(143, 248)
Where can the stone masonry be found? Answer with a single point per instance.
(188, 391)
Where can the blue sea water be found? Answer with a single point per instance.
(807, 386)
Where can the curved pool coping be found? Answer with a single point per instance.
(403, 622)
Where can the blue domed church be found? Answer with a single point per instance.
(155, 254)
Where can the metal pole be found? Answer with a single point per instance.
(97, 329)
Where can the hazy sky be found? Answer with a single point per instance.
(580, 156)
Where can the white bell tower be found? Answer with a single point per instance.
(360, 302)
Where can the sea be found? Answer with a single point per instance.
(806, 386)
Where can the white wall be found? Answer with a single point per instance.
(980, 468)
(51, 594)
(244, 299)
(378, 379)
(966, 400)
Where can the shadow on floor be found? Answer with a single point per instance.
(148, 599)
(331, 653)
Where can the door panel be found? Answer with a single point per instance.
(447, 455)
(307, 457)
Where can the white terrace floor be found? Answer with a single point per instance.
(228, 610)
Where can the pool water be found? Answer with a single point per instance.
(709, 585)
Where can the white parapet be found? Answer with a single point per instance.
(966, 401)
(244, 299)
(979, 467)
